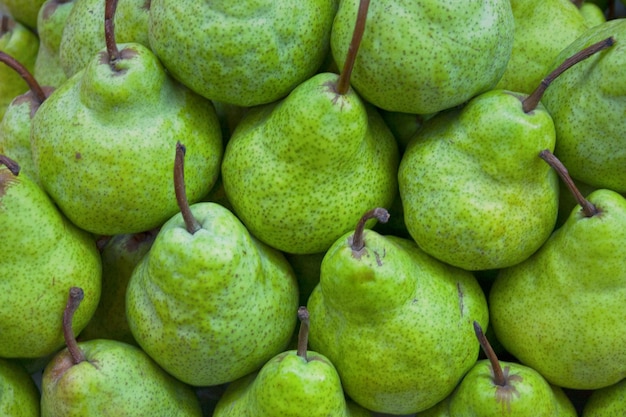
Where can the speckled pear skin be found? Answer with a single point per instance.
(117, 379)
(20, 396)
(587, 103)
(259, 49)
(21, 44)
(432, 48)
(527, 394)
(395, 322)
(558, 311)
(43, 255)
(213, 306)
(301, 172)
(502, 204)
(104, 144)
(83, 32)
(288, 386)
(607, 402)
(50, 24)
(537, 41)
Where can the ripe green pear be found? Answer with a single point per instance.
(19, 396)
(245, 52)
(607, 402)
(423, 57)
(24, 11)
(42, 255)
(587, 105)
(300, 172)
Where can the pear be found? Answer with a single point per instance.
(209, 302)
(494, 388)
(19, 396)
(316, 161)
(558, 311)
(293, 383)
(502, 206)
(427, 56)
(591, 12)
(24, 11)
(607, 402)
(395, 322)
(587, 105)
(102, 142)
(109, 378)
(42, 254)
(244, 53)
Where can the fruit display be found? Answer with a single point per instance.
(340, 208)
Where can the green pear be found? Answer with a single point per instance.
(109, 378)
(587, 105)
(591, 13)
(558, 311)
(607, 402)
(307, 270)
(42, 255)
(395, 322)
(102, 142)
(19, 396)
(293, 383)
(542, 29)
(300, 172)
(82, 36)
(245, 52)
(120, 255)
(209, 302)
(494, 388)
(423, 57)
(50, 23)
(24, 11)
(19, 42)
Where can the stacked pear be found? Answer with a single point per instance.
(19, 396)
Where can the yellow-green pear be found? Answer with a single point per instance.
(607, 402)
(19, 396)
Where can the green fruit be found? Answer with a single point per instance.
(19, 396)
(24, 11)
(607, 402)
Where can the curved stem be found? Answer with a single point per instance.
(23, 72)
(109, 32)
(13, 166)
(378, 213)
(191, 223)
(343, 84)
(498, 374)
(75, 297)
(303, 333)
(532, 101)
(588, 208)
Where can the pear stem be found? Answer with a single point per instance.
(343, 84)
(4, 24)
(378, 213)
(498, 374)
(589, 210)
(303, 333)
(109, 32)
(531, 102)
(73, 301)
(23, 72)
(191, 223)
(13, 166)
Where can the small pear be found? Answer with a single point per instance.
(607, 402)
(19, 396)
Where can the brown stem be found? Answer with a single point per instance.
(588, 208)
(498, 374)
(109, 32)
(25, 74)
(378, 213)
(73, 301)
(532, 101)
(578, 3)
(343, 84)
(191, 223)
(13, 166)
(303, 333)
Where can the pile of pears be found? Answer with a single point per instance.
(343, 208)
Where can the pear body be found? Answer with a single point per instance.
(587, 104)
(607, 402)
(103, 144)
(423, 57)
(395, 322)
(115, 379)
(503, 204)
(279, 45)
(557, 311)
(316, 161)
(19, 396)
(212, 306)
(43, 255)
